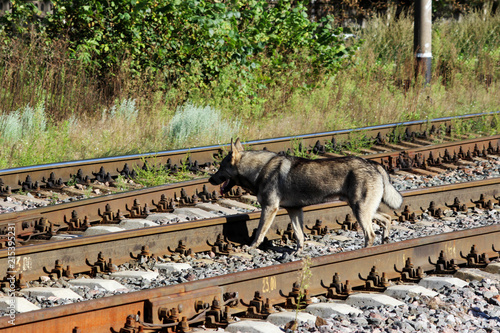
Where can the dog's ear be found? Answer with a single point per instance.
(235, 151)
(238, 145)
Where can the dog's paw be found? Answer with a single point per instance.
(254, 245)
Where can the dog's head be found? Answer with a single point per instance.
(228, 170)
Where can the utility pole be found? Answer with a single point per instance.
(422, 38)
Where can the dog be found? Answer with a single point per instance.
(292, 182)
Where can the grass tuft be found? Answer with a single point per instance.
(23, 123)
(191, 123)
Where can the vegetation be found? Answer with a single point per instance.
(95, 81)
(154, 173)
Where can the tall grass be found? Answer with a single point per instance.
(54, 109)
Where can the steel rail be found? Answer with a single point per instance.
(237, 229)
(13, 177)
(109, 313)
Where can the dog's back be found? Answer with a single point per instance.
(302, 182)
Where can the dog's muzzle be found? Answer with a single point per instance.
(217, 179)
(226, 182)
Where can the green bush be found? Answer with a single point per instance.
(190, 40)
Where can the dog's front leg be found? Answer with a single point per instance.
(266, 219)
(297, 218)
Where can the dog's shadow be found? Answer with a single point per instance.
(236, 229)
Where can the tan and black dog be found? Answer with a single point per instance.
(293, 182)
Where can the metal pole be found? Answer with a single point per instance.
(422, 38)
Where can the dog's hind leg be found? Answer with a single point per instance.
(385, 221)
(364, 218)
(364, 210)
(266, 219)
(297, 218)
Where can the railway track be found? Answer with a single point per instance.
(76, 217)
(34, 255)
(379, 138)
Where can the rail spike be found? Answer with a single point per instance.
(181, 249)
(257, 308)
(318, 229)
(409, 273)
(443, 266)
(217, 316)
(337, 290)
(144, 255)
(101, 266)
(59, 271)
(131, 325)
(286, 235)
(406, 215)
(295, 298)
(165, 205)
(108, 216)
(221, 245)
(136, 211)
(375, 282)
(349, 223)
(474, 259)
(75, 223)
(457, 206)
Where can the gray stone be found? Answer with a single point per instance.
(282, 318)
(51, 292)
(403, 290)
(173, 266)
(210, 207)
(102, 229)
(147, 275)
(437, 282)
(325, 310)
(136, 223)
(107, 285)
(369, 299)
(19, 304)
(250, 326)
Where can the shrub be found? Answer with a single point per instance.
(25, 122)
(191, 121)
(124, 110)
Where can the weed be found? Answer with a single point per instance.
(305, 275)
(88, 192)
(356, 142)
(26, 122)
(299, 150)
(154, 174)
(125, 110)
(192, 121)
(121, 183)
(71, 181)
(54, 199)
(396, 135)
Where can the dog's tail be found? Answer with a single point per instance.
(391, 197)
